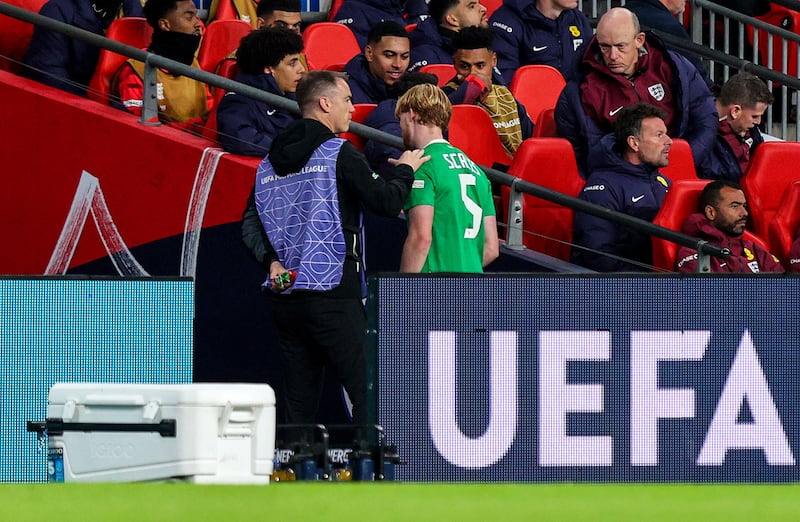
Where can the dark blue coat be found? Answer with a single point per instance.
(695, 109)
(653, 14)
(247, 126)
(361, 15)
(429, 45)
(721, 163)
(383, 118)
(636, 190)
(66, 63)
(363, 85)
(524, 36)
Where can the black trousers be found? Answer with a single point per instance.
(316, 333)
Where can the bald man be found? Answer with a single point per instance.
(622, 67)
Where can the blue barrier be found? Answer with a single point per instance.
(55, 329)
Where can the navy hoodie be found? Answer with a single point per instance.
(524, 36)
(617, 184)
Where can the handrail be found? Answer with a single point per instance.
(702, 247)
(673, 41)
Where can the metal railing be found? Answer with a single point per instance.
(518, 185)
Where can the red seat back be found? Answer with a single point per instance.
(335, 5)
(772, 169)
(783, 229)
(681, 202)
(444, 72)
(549, 162)
(329, 45)
(471, 130)
(546, 124)
(132, 31)
(537, 87)
(491, 6)
(15, 35)
(220, 39)
(787, 20)
(227, 68)
(681, 161)
(362, 110)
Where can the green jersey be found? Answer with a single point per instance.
(461, 197)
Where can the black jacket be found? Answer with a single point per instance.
(358, 187)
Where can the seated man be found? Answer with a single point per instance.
(475, 61)
(362, 15)
(383, 118)
(721, 220)
(664, 15)
(430, 40)
(266, 13)
(182, 101)
(450, 210)
(741, 102)
(383, 62)
(622, 69)
(548, 32)
(68, 63)
(269, 60)
(279, 13)
(624, 177)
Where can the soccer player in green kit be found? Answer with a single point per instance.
(450, 211)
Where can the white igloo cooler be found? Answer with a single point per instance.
(203, 433)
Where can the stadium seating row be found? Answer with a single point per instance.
(771, 185)
(772, 189)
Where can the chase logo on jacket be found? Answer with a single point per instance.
(504, 27)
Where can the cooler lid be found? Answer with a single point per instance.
(120, 394)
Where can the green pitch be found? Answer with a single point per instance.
(340, 502)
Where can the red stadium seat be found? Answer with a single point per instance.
(772, 169)
(227, 68)
(444, 72)
(537, 87)
(471, 130)
(335, 5)
(135, 32)
(15, 36)
(787, 20)
(491, 6)
(783, 229)
(546, 124)
(681, 201)
(220, 39)
(549, 162)
(681, 161)
(329, 45)
(362, 110)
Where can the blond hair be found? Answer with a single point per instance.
(429, 103)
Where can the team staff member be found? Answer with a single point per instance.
(450, 211)
(721, 220)
(305, 216)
